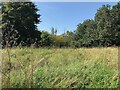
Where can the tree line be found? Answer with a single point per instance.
(19, 28)
(104, 30)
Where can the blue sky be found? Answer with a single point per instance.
(66, 15)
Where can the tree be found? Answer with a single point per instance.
(45, 39)
(104, 30)
(115, 14)
(19, 21)
(52, 31)
(84, 35)
(104, 25)
(58, 41)
(68, 36)
(55, 31)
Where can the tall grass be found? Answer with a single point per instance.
(63, 68)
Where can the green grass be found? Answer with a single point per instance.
(62, 68)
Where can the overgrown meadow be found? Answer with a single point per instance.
(83, 57)
(60, 68)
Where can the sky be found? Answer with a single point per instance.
(66, 15)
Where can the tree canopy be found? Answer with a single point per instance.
(20, 19)
(104, 30)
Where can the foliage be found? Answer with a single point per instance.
(53, 31)
(84, 34)
(19, 23)
(19, 28)
(102, 31)
(45, 39)
(115, 14)
(58, 41)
